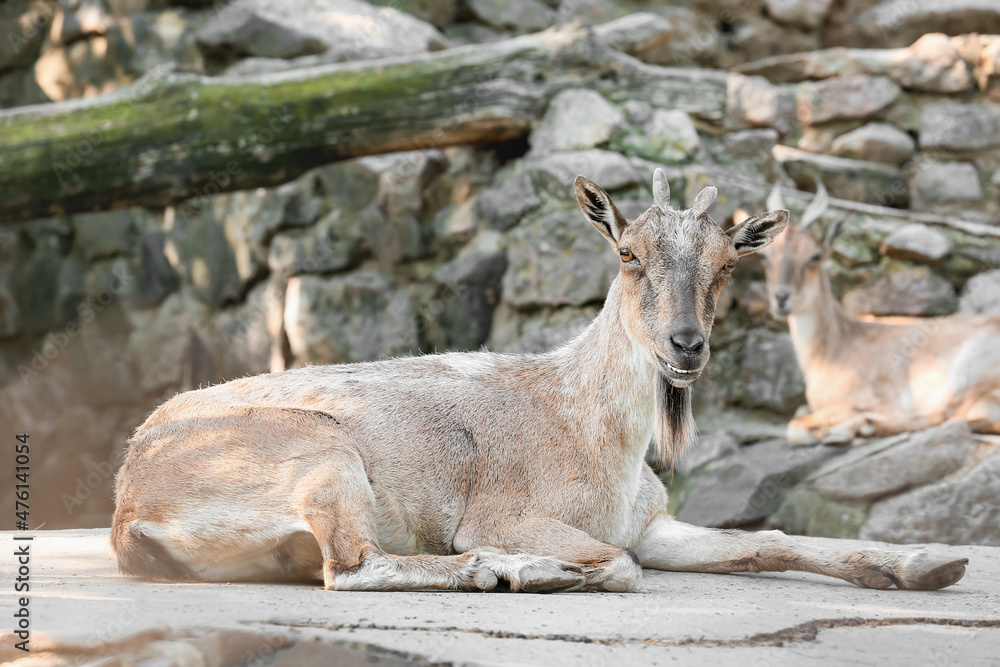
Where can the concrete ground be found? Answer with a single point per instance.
(83, 611)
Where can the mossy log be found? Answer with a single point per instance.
(175, 136)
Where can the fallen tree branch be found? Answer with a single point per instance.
(171, 137)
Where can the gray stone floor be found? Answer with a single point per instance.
(78, 598)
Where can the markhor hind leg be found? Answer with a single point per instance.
(668, 544)
(338, 503)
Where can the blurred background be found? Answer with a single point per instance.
(208, 190)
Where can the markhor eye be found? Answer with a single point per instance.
(728, 268)
(626, 255)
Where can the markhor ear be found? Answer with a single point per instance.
(756, 233)
(599, 209)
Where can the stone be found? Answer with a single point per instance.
(898, 464)
(247, 339)
(335, 243)
(156, 276)
(875, 142)
(933, 65)
(748, 485)
(576, 119)
(982, 294)
(959, 127)
(24, 26)
(937, 182)
(355, 183)
(911, 291)
(857, 180)
(219, 244)
(467, 292)
(339, 29)
(754, 144)
(146, 41)
(805, 512)
(78, 69)
(353, 317)
(105, 234)
(393, 239)
(544, 333)
(167, 343)
(610, 170)
(640, 35)
(436, 12)
(753, 101)
(402, 178)
(517, 15)
(666, 137)
(33, 274)
(558, 260)
(805, 13)
(757, 37)
(855, 96)
(960, 509)
(505, 204)
(989, 71)
(19, 88)
(901, 22)
(709, 447)
(597, 13)
(917, 242)
(456, 224)
(769, 375)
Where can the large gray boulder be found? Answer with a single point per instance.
(503, 205)
(850, 97)
(219, 244)
(558, 260)
(750, 484)
(961, 509)
(875, 142)
(982, 294)
(858, 180)
(358, 316)
(576, 120)
(753, 101)
(901, 22)
(467, 290)
(914, 291)
(941, 182)
(517, 15)
(769, 376)
(804, 13)
(667, 136)
(888, 467)
(959, 127)
(338, 29)
(917, 242)
(610, 170)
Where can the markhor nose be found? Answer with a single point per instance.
(688, 341)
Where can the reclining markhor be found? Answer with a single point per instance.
(456, 471)
(872, 377)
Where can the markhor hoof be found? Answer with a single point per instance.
(549, 577)
(926, 573)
